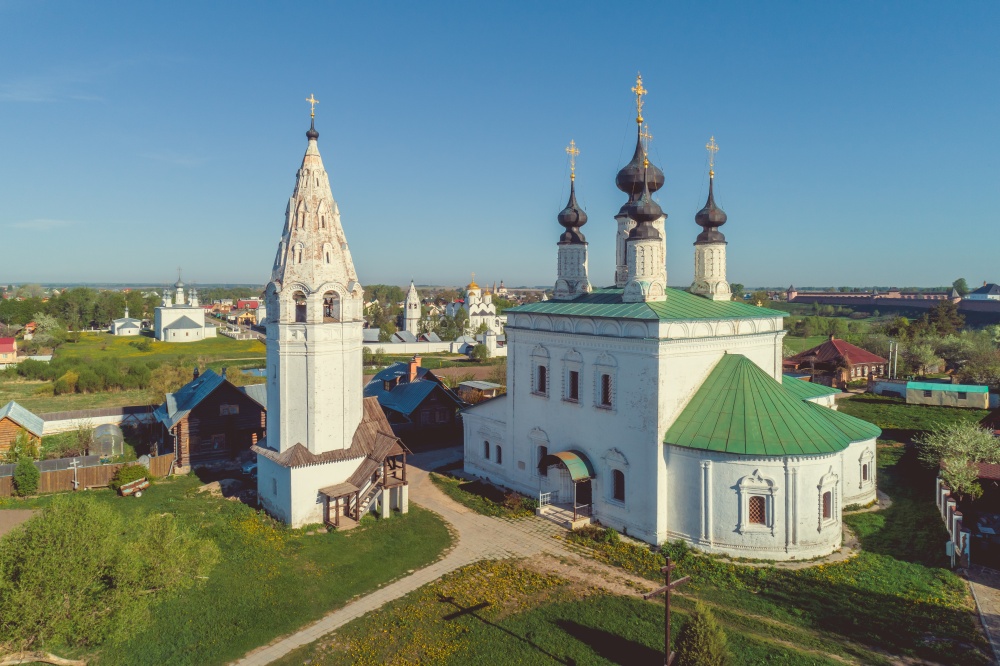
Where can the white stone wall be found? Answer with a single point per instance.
(708, 497)
(274, 484)
(857, 489)
(315, 387)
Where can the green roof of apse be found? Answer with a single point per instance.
(806, 390)
(678, 306)
(741, 409)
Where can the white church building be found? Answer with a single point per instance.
(479, 306)
(181, 319)
(329, 454)
(663, 412)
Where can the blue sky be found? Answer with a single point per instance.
(858, 140)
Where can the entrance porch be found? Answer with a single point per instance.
(566, 498)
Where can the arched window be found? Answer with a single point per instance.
(542, 382)
(864, 472)
(542, 452)
(499, 454)
(486, 450)
(300, 306)
(331, 306)
(827, 505)
(322, 224)
(618, 485)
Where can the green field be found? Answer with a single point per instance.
(797, 345)
(24, 392)
(894, 414)
(100, 345)
(270, 580)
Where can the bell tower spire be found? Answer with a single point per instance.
(314, 319)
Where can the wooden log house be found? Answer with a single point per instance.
(209, 419)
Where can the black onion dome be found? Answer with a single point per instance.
(630, 179)
(312, 134)
(711, 217)
(644, 211)
(572, 218)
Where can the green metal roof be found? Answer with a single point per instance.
(679, 306)
(934, 386)
(575, 462)
(805, 390)
(741, 409)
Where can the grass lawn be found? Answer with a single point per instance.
(485, 498)
(104, 345)
(894, 414)
(24, 393)
(270, 581)
(495, 613)
(801, 344)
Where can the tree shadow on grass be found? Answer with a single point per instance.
(614, 648)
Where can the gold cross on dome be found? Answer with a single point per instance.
(572, 151)
(639, 92)
(312, 105)
(646, 138)
(712, 147)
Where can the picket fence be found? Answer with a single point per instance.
(86, 477)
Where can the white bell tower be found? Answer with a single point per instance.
(314, 321)
(411, 310)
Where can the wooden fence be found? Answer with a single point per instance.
(87, 477)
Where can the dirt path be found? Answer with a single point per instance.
(11, 518)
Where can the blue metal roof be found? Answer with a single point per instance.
(179, 404)
(22, 417)
(405, 396)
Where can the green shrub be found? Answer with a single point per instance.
(24, 445)
(26, 477)
(81, 573)
(701, 642)
(128, 474)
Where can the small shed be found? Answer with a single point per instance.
(13, 419)
(476, 391)
(948, 395)
(108, 441)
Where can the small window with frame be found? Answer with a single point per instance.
(573, 386)
(757, 510)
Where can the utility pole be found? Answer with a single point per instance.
(666, 590)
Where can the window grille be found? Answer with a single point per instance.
(758, 510)
(606, 390)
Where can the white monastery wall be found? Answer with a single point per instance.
(857, 488)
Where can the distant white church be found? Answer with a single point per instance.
(126, 325)
(329, 455)
(181, 319)
(480, 308)
(663, 413)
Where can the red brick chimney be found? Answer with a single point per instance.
(414, 364)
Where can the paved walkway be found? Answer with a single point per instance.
(478, 537)
(985, 584)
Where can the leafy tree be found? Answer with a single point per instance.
(102, 580)
(30, 291)
(982, 367)
(737, 290)
(946, 319)
(480, 353)
(386, 330)
(498, 374)
(961, 286)
(701, 642)
(26, 477)
(957, 448)
(919, 356)
(23, 446)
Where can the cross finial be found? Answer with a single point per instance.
(712, 147)
(646, 138)
(639, 92)
(312, 105)
(572, 151)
